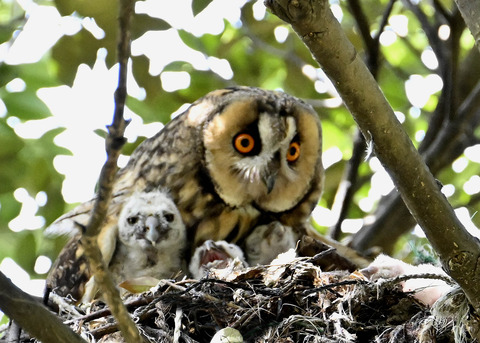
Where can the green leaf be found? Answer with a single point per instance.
(25, 253)
(25, 105)
(105, 14)
(7, 73)
(101, 132)
(10, 143)
(142, 23)
(128, 148)
(10, 208)
(71, 51)
(199, 5)
(190, 40)
(140, 69)
(40, 74)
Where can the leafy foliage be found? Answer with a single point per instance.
(254, 49)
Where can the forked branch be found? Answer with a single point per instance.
(321, 32)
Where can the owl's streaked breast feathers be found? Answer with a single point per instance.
(235, 159)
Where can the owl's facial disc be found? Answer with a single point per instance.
(264, 156)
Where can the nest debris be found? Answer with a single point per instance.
(293, 301)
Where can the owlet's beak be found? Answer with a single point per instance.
(152, 223)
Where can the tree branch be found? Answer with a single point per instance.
(32, 316)
(345, 191)
(114, 143)
(320, 31)
(393, 218)
(470, 11)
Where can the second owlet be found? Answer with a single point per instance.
(235, 159)
(148, 241)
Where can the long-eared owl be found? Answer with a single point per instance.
(235, 159)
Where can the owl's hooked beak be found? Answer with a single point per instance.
(269, 182)
(154, 227)
(270, 174)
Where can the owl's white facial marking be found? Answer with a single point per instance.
(262, 169)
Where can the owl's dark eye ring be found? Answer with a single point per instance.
(132, 220)
(293, 152)
(244, 143)
(169, 217)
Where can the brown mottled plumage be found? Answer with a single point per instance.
(235, 159)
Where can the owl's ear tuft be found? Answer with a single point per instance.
(199, 113)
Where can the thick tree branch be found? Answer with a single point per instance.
(450, 143)
(438, 147)
(471, 12)
(114, 143)
(32, 316)
(459, 252)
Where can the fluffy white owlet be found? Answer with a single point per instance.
(235, 159)
(148, 241)
(215, 255)
(267, 241)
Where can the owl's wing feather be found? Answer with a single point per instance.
(70, 271)
(69, 223)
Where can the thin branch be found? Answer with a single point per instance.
(362, 24)
(321, 32)
(114, 143)
(439, 146)
(346, 189)
(32, 316)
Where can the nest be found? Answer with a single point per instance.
(291, 301)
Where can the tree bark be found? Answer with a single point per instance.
(471, 12)
(459, 252)
(32, 316)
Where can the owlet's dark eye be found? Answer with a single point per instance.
(169, 217)
(132, 220)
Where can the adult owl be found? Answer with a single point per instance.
(235, 159)
(148, 241)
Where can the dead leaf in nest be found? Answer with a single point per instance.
(139, 285)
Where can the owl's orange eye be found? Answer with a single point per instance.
(244, 143)
(293, 152)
